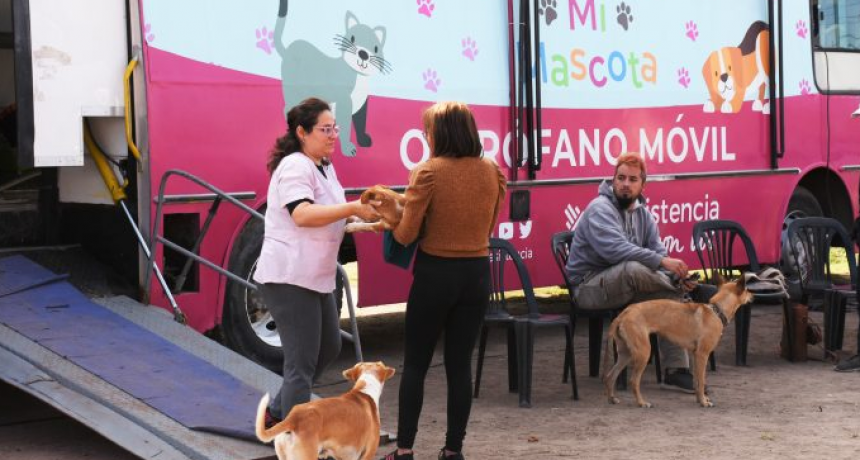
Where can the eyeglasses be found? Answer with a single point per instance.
(329, 130)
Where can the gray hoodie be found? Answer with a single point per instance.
(605, 236)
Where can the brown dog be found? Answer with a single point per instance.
(345, 427)
(696, 327)
(388, 203)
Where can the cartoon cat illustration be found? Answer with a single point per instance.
(342, 81)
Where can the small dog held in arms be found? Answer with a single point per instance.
(388, 203)
(695, 327)
(345, 427)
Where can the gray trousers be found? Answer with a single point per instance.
(630, 282)
(309, 327)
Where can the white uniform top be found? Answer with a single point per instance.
(301, 256)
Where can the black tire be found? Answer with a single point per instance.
(242, 304)
(802, 204)
(247, 326)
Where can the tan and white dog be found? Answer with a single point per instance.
(730, 71)
(345, 427)
(388, 203)
(695, 327)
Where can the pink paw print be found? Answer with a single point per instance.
(425, 7)
(431, 81)
(470, 48)
(265, 40)
(802, 31)
(684, 77)
(692, 30)
(147, 33)
(805, 88)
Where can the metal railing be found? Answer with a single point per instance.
(217, 197)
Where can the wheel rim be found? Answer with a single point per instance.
(258, 316)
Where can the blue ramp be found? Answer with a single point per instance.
(38, 304)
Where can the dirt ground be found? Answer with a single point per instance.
(770, 409)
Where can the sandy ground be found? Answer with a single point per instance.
(769, 409)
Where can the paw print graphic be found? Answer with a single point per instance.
(426, 7)
(624, 15)
(548, 10)
(265, 40)
(692, 30)
(470, 48)
(802, 30)
(684, 77)
(147, 33)
(805, 87)
(431, 80)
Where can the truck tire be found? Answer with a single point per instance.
(802, 204)
(247, 325)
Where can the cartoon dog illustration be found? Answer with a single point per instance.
(341, 81)
(730, 71)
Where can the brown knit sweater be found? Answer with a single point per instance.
(452, 205)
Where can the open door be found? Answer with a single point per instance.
(69, 63)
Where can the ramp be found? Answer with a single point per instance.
(127, 371)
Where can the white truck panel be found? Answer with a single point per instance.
(79, 57)
(837, 71)
(85, 185)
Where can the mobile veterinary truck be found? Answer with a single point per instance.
(743, 110)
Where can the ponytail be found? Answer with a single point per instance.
(284, 146)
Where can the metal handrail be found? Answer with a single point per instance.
(220, 196)
(159, 208)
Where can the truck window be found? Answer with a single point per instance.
(838, 25)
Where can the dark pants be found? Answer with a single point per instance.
(451, 295)
(309, 327)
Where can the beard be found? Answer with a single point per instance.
(624, 202)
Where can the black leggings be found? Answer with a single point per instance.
(451, 295)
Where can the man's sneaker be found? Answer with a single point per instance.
(457, 456)
(680, 380)
(270, 420)
(849, 365)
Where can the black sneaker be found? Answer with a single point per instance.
(680, 380)
(270, 420)
(394, 456)
(851, 364)
(457, 456)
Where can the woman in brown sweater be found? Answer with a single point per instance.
(452, 204)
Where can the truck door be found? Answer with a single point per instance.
(69, 63)
(836, 59)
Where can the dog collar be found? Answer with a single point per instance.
(719, 311)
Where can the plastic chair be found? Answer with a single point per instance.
(502, 252)
(715, 247)
(810, 240)
(561, 252)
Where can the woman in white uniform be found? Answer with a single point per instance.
(305, 217)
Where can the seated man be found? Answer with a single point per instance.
(619, 259)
